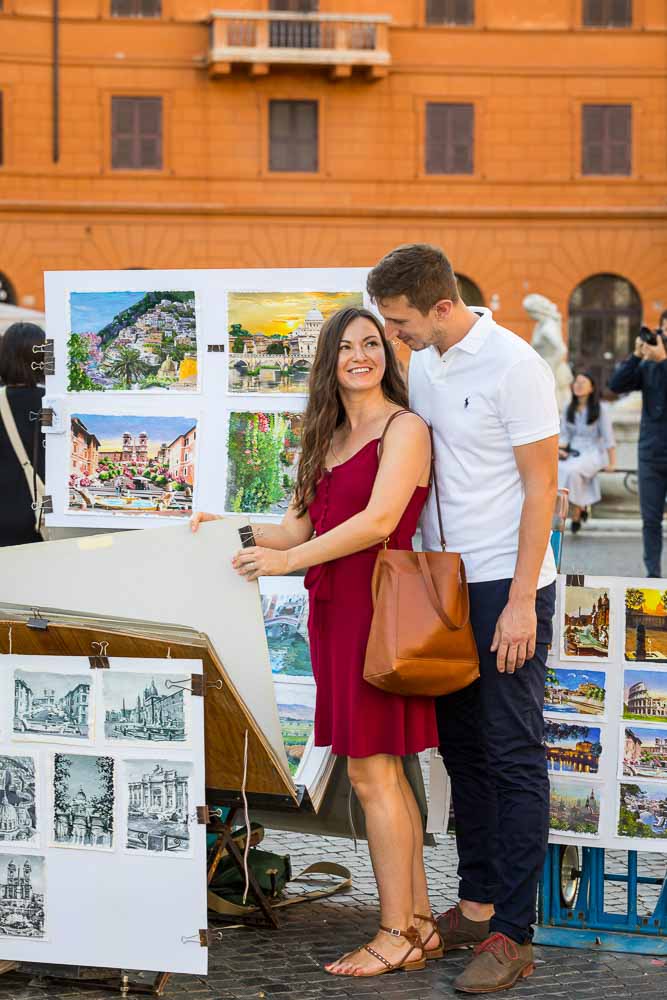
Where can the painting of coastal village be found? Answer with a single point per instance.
(157, 797)
(18, 800)
(574, 692)
(132, 341)
(296, 711)
(141, 708)
(273, 337)
(83, 801)
(573, 747)
(52, 706)
(643, 811)
(574, 806)
(645, 751)
(645, 695)
(133, 465)
(22, 895)
(586, 622)
(286, 626)
(262, 459)
(646, 624)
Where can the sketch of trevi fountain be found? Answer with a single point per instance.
(22, 904)
(51, 704)
(83, 801)
(157, 806)
(18, 817)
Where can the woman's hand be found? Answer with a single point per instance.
(563, 453)
(610, 468)
(201, 516)
(256, 561)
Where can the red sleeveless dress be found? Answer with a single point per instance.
(351, 716)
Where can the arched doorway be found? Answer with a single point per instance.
(7, 293)
(605, 314)
(469, 291)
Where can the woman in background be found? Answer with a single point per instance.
(587, 447)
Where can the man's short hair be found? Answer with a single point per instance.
(419, 271)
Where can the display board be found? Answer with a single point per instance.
(174, 390)
(102, 857)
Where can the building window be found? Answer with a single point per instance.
(136, 8)
(607, 14)
(450, 138)
(604, 318)
(606, 139)
(293, 136)
(2, 122)
(469, 291)
(450, 11)
(136, 133)
(7, 293)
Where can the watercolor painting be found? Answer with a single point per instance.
(586, 622)
(22, 895)
(83, 801)
(645, 695)
(572, 746)
(645, 751)
(286, 626)
(132, 465)
(296, 711)
(132, 341)
(52, 706)
(273, 337)
(646, 624)
(18, 800)
(574, 692)
(142, 708)
(158, 796)
(263, 452)
(642, 811)
(574, 806)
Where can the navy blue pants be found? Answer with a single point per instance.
(652, 495)
(491, 740)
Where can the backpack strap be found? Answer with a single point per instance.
(35, 484)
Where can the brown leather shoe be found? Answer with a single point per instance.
(497, 964)
(456, 931)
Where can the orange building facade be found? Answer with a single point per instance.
(523, 205)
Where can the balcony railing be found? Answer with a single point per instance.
(337, 42)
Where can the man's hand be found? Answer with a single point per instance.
(639, 347)
(655, 353)
(515, 635)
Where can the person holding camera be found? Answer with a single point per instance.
(587, 447)
(646, 371)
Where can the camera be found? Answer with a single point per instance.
(649, 336)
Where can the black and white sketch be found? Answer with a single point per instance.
(22, 895)
(142, 708)
(18, 807)
(157, 797)
(53, 706)
(83, 801)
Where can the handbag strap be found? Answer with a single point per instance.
(436, 604)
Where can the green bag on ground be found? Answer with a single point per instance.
(272, 871)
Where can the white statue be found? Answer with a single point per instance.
(548, 341)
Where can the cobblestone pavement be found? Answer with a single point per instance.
(257, 963)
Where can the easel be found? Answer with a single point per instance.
(226, 845)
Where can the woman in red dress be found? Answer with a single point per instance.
(363, 479)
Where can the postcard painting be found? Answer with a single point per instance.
(645, 695)
(572, 747)
(146, 708)
(132, 465)
(132, 341)
(645, 751)
(22, 895)
(646, 624)
(574, 692)
(273, 337)
(262, 454)
(586, 622)
(18, 800)
(52, 707)
(157, 806)
(296, 710)
(83, 801)
(642, 811)
(574, 806)
(286, 626)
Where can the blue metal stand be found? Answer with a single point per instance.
(587, 924)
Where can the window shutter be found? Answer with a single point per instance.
(607, 139)
(136, 133)
(136, 8)
(450, 11)
(2, 126)
(449, 138)
(293, 136)
(592, 161)
(619, 131)
(607, 13)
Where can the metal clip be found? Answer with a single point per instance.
(46, 506)
(103, 647)
(46, 417)
(100, 661)
(37, 622)
(203, 936)
(196, 685)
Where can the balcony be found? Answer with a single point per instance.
(336, 43)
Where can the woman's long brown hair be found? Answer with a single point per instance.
(325, 411)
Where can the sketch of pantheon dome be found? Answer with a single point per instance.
(9, 819)
(80, 803)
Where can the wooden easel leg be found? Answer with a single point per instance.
(160, 982)
(226, 843)
(7, 967)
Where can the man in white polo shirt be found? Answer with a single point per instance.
(490, 400)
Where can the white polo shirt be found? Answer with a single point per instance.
(483, 397)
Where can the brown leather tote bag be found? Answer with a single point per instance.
(421, 641)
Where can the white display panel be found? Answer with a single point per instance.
(102, 864)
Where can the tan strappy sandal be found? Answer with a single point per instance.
(411, 935)
(438, 952)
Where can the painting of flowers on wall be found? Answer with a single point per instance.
(262, 455)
